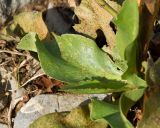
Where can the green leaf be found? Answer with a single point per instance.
(79, 62)
(62, 59)
(129, 98)
(134, 80)
(109, 112)
(28, 42)
(84, 52)
(98, 85)
(127, 32)
(100, 109)
(75, 58)
(127, 23)
(118, 120)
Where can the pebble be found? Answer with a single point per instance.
(45, 104)
(3, 126)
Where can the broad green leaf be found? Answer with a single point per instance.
(77, 118)
(62, 61)
(127, 23)
(78, 61)
(109, 112)
(28, 42)
(101, 109)
(125, 51)
(151, 114)
(79, 50)
(75, 58)
(129, 98)
(101, 85)
(118, 120)
(98, 85)
(131, 57)
(135, 80)
(83, 63)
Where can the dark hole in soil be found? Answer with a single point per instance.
(113, 27)
(118, 1)
(101, 39)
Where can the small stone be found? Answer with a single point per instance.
(45, 104)
(3, 126)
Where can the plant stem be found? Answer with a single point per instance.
(107, 7)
